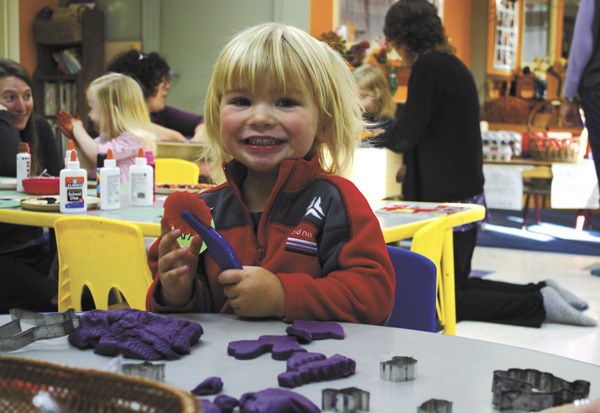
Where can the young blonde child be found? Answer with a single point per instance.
(118, 110)
(280, 103)
(378, 104)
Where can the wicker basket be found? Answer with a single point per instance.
(549, 146)
(79, 390)
(62, 26)
(508, 109)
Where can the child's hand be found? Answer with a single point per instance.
(254, 292)
(177, 268)
(66, 123)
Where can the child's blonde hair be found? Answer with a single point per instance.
(371, 78)
(288, 59)
(122, 108)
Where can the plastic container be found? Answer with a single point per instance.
(73, 187)
(109, 179)
(141, 182)
(23, 165)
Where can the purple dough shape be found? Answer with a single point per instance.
(301, 371)
(226, 403)
(275, 400)
(281, 347)
(135, 334)
(315, 330)
(210, 385)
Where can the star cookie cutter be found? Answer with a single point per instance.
(348, 400)
(399, 368)
(435, 406)
(534, 390)
(12, 336)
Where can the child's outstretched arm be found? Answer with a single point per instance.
(72, 127)
(253, 292)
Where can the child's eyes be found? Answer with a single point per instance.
(286, 102)
(241, 101)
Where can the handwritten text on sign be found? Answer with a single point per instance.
(504, 186)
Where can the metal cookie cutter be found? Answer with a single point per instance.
(348, 400)
(146, 370)
(399, 368)
(435, 406)
(12, 337)
(533, 390)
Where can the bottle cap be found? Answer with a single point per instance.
(73, 162)
(71, 145)
(110, 161)
(141, 159)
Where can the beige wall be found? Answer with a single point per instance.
(193, 33)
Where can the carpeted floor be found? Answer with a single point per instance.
(555, 233)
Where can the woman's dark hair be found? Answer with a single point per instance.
(148, 69)
(415, 26)
(10, 68)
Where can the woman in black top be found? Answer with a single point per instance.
(438, 132)
(25, 251)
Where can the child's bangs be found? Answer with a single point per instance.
(274, 64)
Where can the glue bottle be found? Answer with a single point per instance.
(23, 164)
(110, 180)
(141, 182)
(73, 187)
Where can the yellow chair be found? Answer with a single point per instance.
(180, 171)
(107, 256)
(429, 241)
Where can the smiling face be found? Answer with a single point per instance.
(262, 129)
(17, 97)
(158, 100)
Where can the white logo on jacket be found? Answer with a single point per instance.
(315, 209)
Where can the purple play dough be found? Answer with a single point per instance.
(315, 330)
(314, 367)
(135, 334)
(274, 400)
(210, 385)
(281, 347)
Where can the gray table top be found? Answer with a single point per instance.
(452, 368)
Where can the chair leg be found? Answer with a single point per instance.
(536, 203)
(526, 210)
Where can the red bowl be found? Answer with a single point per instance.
(42, 186)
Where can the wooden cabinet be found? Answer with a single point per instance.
(66, 65)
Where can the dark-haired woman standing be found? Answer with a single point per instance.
(25, 252)
(438, 131)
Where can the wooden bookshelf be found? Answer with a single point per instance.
(55, 86)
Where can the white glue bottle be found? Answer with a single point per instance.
(73, 187)
(110, 182)
(23, 165)
(141, 182)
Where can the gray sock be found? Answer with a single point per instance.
(568, 296)
(559, 311)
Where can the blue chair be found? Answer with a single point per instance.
(415, 297)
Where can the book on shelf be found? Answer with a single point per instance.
(68, 61)
(50, 90)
